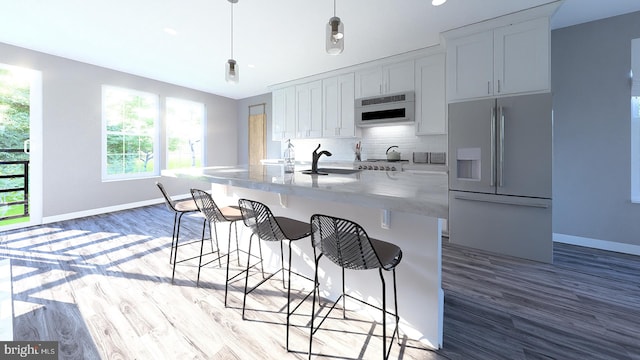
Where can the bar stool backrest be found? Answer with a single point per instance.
(259, 218)
(344, 242)
(207, 206)
(167, 199)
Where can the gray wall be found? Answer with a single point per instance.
(72, 133)
(591, 103)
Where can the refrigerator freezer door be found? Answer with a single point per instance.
(524, 148)
(509, 225)
(472, 146)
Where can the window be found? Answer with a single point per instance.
(185, 133)
(130, 137)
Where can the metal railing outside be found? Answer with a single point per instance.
(24, 188)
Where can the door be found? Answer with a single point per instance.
(522, 58)
(514, 226)
(20, 147)
(430, 95)
(472, 146)
(470, 66)
(525, 153)
(257, 134)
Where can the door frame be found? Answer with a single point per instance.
(35, 148)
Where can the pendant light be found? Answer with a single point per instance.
(335, 34)
(232, 74)
(438, 2)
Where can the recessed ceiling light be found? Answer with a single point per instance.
(170, 31)
(438, 2)
(251, 66)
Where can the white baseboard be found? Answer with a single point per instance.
(597, 244)
(104, 210)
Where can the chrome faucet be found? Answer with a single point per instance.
(316, 155)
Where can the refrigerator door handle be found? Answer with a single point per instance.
(493, 147)
(501, 201)
(501, 150)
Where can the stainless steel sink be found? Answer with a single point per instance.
(326, 171)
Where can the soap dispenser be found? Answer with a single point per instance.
(289, 158)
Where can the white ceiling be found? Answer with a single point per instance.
(274, 40)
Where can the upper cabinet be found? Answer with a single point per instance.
(385, 79)
(502, 61)
(430, 95)
(309, 110)
(338, 99)
(284, 114)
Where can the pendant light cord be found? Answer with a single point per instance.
(232, 30)
(334, 8)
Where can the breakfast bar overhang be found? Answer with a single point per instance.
(406, 209)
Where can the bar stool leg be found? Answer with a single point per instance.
(384, 316)
(175, 249)
(313, 303)
(204, 228)
(395, 300)
(226, 279)
(173, 236)
(288, 293)
(246, 279)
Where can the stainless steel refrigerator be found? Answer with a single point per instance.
(500, 166)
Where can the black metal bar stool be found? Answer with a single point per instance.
(347, 245)
(178, 208)
(214, 215)
(267, 227)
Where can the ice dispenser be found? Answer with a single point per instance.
(468, 163)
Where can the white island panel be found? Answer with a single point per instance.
(416, 204)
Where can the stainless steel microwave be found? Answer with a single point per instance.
(390, 109)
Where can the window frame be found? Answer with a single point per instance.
(155, 136)
(203, 129)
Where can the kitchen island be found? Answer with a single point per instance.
(403, 208)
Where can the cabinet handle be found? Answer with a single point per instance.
(502, 201)
(498, 86)
(488, 87)
(492, 132)
(501, 144)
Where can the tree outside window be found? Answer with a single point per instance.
(130, 121)
(185, 133)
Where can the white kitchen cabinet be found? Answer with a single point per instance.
(522, 57)
(385, 79)
(283, 126)
(338, 99)
(309, 110)
(503, 61)
(430, 95)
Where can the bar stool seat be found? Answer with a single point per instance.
(347, 245)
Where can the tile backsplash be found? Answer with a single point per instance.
(375, 141)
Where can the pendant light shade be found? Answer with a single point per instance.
(335, 34)
(232, 74)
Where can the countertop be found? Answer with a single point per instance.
(419, 193)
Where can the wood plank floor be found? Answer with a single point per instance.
(101, 286)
